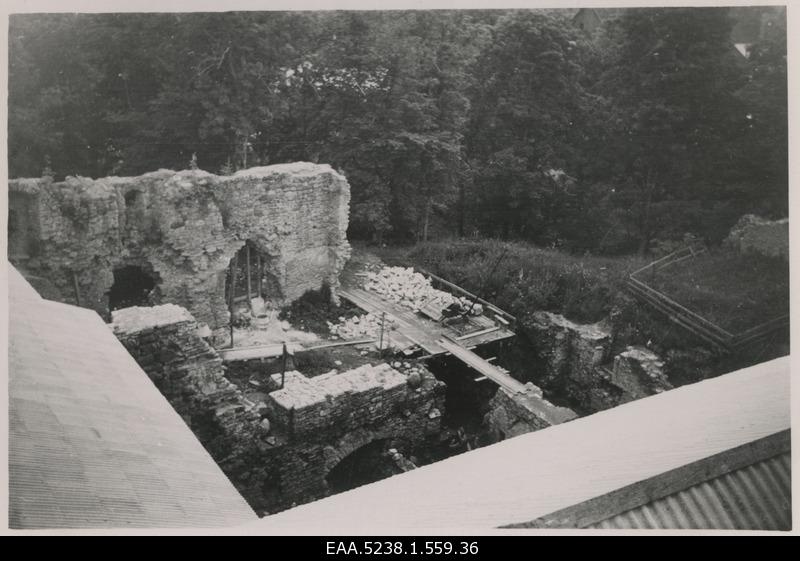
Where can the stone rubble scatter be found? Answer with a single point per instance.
(359, 327)
(410, 289)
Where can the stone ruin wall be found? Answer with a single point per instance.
(758, 235)
(183, 228)
(272, 466)
(573, 357)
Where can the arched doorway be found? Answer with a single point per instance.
(365, 465)
(133, 286)
(249, 276)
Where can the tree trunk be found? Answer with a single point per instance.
(426, 220)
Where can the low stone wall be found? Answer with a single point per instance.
(363, 396)
(515, 414)
(758, 235)
(183, 228)
(280, 451)
(639, 373)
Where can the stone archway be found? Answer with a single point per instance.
(358, 444)
(134, 284)
(362, 466)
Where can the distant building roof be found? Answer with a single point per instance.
(92, 442)
(728, 434)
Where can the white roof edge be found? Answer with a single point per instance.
(532, 475)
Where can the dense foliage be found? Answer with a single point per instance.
(515, 124)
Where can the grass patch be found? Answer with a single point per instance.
(733, 290)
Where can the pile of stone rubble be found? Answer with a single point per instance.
(410, 289)
(359, 327)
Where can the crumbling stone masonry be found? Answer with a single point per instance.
(639, 372)
(280, 451)
(576, 359)
(515, 414)
(758, 235)
(183, 228)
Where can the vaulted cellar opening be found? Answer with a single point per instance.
(365, 465)
(133, 286)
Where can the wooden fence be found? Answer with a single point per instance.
(689, 320)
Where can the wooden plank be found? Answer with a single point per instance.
(340, 344)
(768, 325)
(669, 302)
(476, 333)
(685, 322)
(484, 367)
(257, 351)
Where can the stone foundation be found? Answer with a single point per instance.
(639, 373)
(279, 452)
(183, 228)
(515, 414)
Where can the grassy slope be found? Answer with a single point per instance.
(734, 291)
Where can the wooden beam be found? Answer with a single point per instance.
(476, 333)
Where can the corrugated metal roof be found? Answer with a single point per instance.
(92, 442)
(757, 497)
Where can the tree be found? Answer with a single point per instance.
(528, 124)
(672, 85)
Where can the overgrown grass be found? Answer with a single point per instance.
(733, 290)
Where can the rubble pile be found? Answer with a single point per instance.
(410, 289)
(358, 327)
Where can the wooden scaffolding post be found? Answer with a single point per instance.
(232, 295)
(259, 274)
(247, 268)
(284, 357)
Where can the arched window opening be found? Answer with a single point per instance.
(133, 286)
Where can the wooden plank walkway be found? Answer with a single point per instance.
(500, 377)
(409, 325)
(260, 351)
